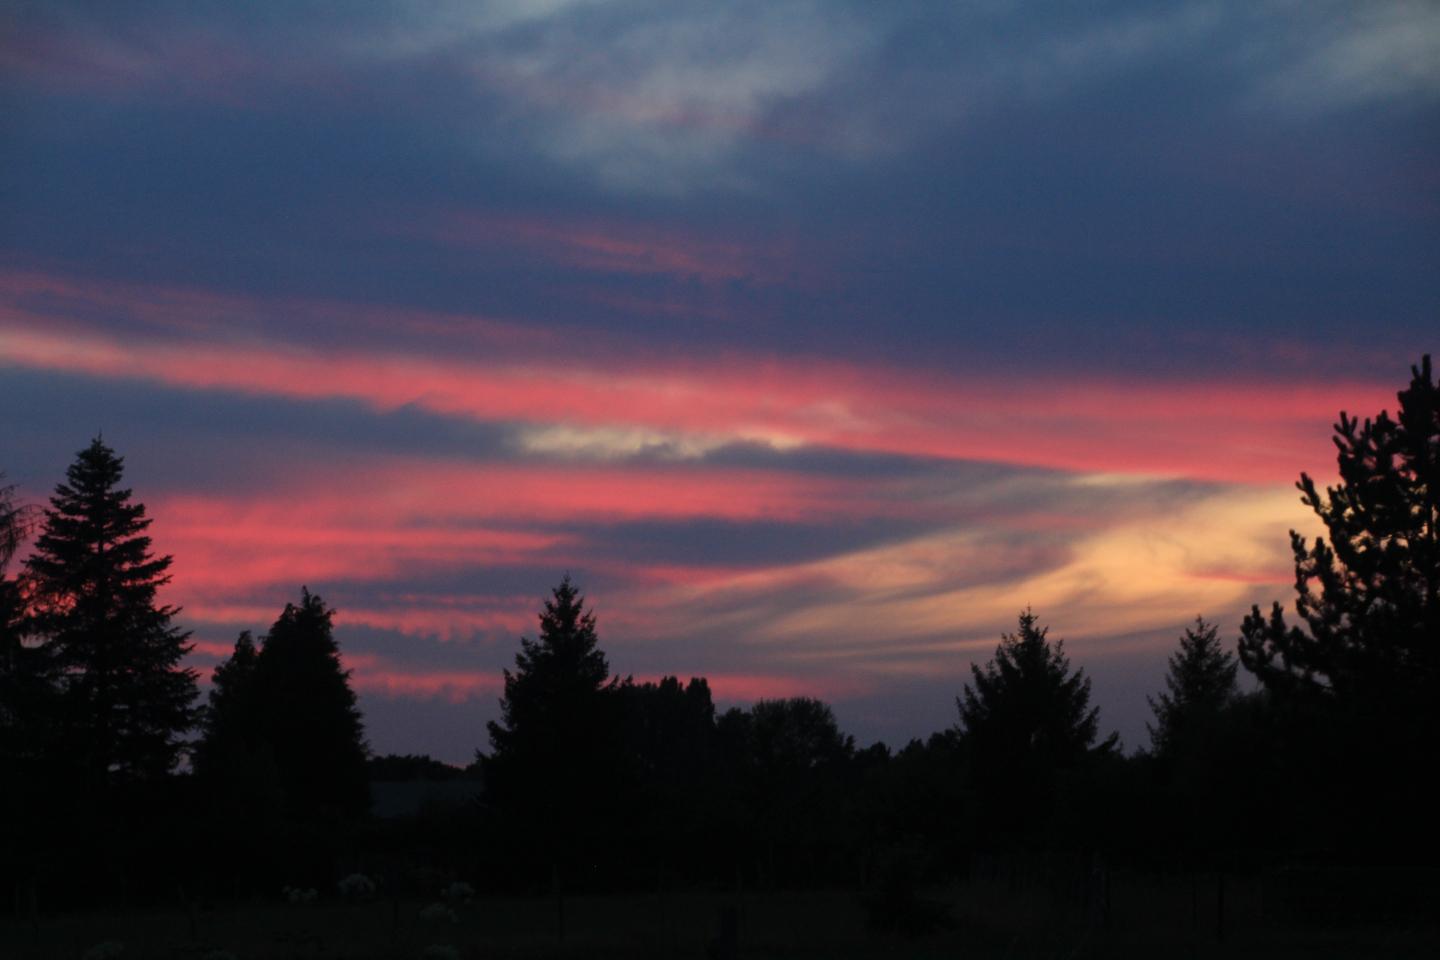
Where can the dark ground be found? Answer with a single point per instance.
(1147, 917)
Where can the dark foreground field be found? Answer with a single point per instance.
(1147, 917)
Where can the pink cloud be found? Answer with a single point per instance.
(454, 686)
(1266, 431)
(403, 518)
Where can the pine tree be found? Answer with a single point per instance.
(1026, 722)
(230, 723)
(128, 701)
(1369, 595)
(556, 743)
(306, 713)
(1354, 690)
(236, 772)
(557, 682)
(1199, 685)
(1026, 701)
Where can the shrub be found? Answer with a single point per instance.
(356, 886)
(458, 892)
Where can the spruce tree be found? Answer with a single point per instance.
(1354, 687)
(551, 698)
(306, 712)
(556, 744)
(1369, 594)
(1199, 685)
(1026, 723)
(230, 723)
(1026, 701)
(127, 700)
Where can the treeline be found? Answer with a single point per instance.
(118, 784)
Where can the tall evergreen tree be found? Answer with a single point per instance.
(1369, 595)
(238, 779)
(1026, 701)
(555, 747)
(305, 712)
(1199, 685)
(1354, 689)
(231, 721)
(1026, 722)
(128, 701)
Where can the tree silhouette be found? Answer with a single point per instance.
(667, 729)
(12, 524)
(1027, 720)
(788, 759)
(1199, 685)
(798, 733)
(305, 711)
(1369, 595)
(1355, 689)
(230, 719)
(28, 692)
(234, 759)
(26, 672)
(554, 746)
(665, 755)
(127, 700)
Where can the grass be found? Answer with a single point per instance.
(1147, 917)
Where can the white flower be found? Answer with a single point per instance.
(438, 912)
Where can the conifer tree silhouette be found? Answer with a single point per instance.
(231, 718)
(127, 700)
(1199, 685)
(234, 759)
(306, 712)
(1026, 720)
(1355, 688)
(1369, 594)
(554, 749)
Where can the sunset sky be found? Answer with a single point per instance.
(816, 340)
